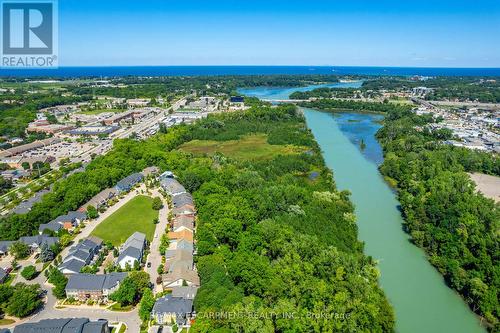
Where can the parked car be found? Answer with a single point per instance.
(149, 264)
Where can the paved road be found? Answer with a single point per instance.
(131, 319)
(154, 256)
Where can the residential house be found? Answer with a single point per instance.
(178, 244)
(4, 247)
(80, 325)
(171, 186)
(183, 211)
(132, 250)
(97, 287)
(51, 226)
(100, 199)
(186, 292)
(168, 309)
(183, 200)
(181, 258)
(68, 222)
(81, 255)
(183, 222)
(128, 182)
(180, 276)
(35, 242)
(183, 234)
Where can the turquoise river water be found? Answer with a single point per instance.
(421, 300)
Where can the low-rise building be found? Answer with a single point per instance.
(68, 222)
(186, 292)
(132, 250)
(168, 309)
(180, 276)
(185, 221)
(35, 242)
(81, 255)
(171, 186)
(80, 325)
(4, 247)
(100, 199)
(128, 182)
(97, 287)
(183, 234)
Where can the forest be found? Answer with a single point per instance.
(275, 246)
(339, 105)
(443, 212)
(272, 243)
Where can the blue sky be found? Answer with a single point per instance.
(438, 33)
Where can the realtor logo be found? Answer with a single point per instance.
(29, 33)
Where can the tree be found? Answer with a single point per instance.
(59, 281)
(46, 254)
(131, 288)
(6, 292)
(92, 212)
(157, 204)
(29, 272)
(19, 250)
(24, 300)
(146, 305)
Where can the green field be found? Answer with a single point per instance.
(135, 215)
(250, 147)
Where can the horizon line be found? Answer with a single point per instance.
(349, 66)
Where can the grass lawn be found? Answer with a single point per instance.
(6, 321)
(117, 307)
(135, 215)
(250, 147)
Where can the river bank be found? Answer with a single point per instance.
(422, 301)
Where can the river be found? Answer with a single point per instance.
(421, 300)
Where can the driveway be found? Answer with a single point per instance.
(131, 319)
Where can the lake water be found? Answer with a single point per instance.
(115, 71)
(421, 300)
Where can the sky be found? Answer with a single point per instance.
(437, 33)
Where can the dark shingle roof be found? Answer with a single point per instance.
(129, 181)
(66, 325)
(130, 252)
(170, 304)
(73, 265)
(182, 199)
(86, 282)
(39, 240)
(172, 186)
(94, 282)
(53, 226)
(4, 245)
